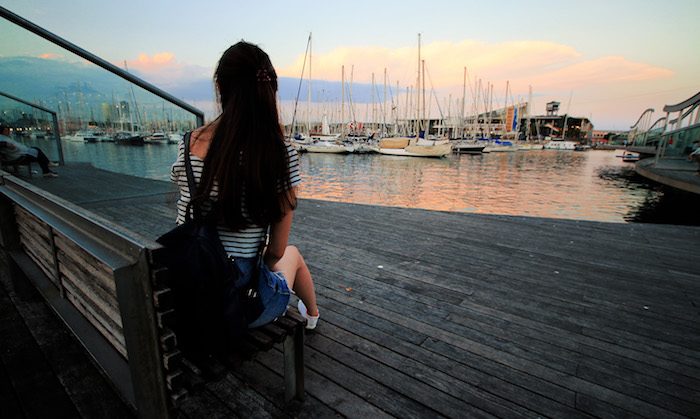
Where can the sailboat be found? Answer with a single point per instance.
(326, 142)
(417, 146)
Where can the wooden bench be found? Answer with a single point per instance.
(107, 285)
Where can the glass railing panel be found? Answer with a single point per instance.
(103, 118)
(30, 126)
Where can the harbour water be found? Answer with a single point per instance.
(592, 185)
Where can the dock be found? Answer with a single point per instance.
(424, 314)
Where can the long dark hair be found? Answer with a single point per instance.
(247, 157)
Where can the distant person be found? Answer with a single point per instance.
(695, 155)
(12, 151)
(241, 161)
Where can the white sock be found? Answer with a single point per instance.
(311, 321)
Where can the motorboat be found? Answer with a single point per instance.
(560, 145)
(157, 138)
(467, 147)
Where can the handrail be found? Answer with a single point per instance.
(657, 122)
(682, 105)
(33, 105)
(54, 118)
(51, 37)
(640, 117)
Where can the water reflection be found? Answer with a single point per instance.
(592, 185)
(536, 183)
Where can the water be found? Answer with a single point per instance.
(592, 185)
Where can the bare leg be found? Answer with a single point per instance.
(298, 277)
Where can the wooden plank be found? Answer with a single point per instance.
(35, 241)
(240, 397)
(558, 338)
(203, 404)
(40, 259)
(93, 268)
(293, 347)
(105, 306)
(329, 397)
(117, 341)
(29, 221)
(535, 394)
(511, 298)
(459, 344)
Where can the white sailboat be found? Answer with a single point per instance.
(417, 146)
(326, 142)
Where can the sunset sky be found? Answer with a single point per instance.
(604, 59)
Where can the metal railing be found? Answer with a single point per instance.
(676, 139)
(55, 39)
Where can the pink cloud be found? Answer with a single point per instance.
(554, 70)
(51, 56)
(163, 68)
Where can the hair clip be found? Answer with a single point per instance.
(263, 75)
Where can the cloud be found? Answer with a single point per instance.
(165, 70)
(50, 56)
(547, 65)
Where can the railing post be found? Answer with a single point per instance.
(135, 297)
(57, 138)
(9, 234)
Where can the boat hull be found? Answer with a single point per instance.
(393, 143)
(437, 151)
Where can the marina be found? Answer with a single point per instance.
(533, 266)
(594, 185)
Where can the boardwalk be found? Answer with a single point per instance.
(429, 314)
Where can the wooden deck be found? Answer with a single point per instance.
(429, 314)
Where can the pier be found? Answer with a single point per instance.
(423, 314)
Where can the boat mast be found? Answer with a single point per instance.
(463, 117)
(395, 109)
(409, 105)
(506, 125)
(527, 110)
(308, 96)
(374, 107)
(566, 116)
(418, 122)
(384, 130)
(424, 121)
(342, 102)
(477, 128)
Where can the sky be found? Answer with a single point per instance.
(608, 60)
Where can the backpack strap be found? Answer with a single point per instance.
(191, 210)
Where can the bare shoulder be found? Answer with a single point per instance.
(201, 138)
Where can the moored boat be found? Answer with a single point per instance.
(157, 138)
(630, 157)
(128, 138)
(560, 145)
(467, 147)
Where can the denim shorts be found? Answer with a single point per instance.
(272, 287)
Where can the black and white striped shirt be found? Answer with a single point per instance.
(242, 243)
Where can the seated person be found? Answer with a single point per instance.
(13, 151)
(695, 155)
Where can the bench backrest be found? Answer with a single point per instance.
(104, 283)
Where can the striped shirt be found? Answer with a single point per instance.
(245, 242)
